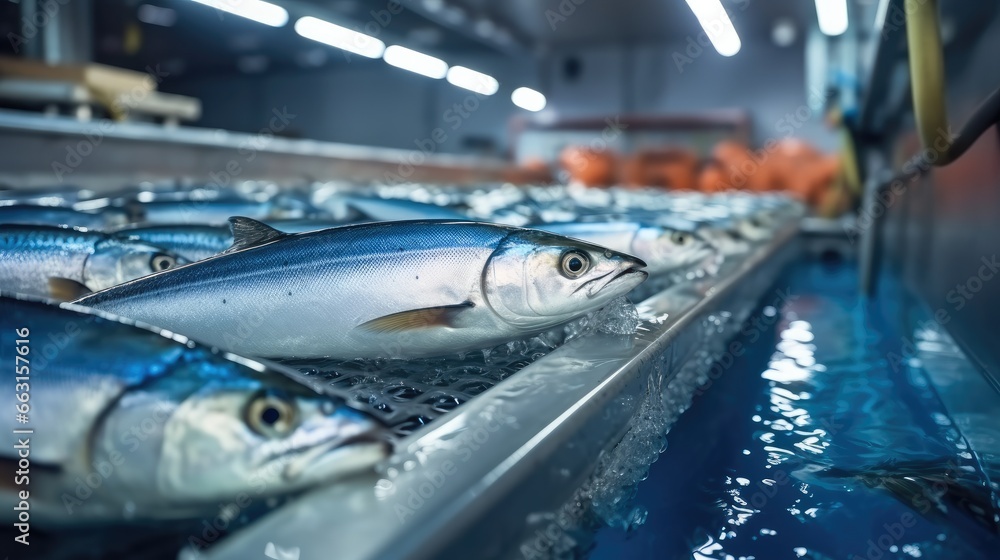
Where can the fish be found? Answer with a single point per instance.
(203, 207)
(662, 249)
(76, 258)
(53, 196)
(303, 225)
(207, 212)
(192, 242)
(941, 490)
(134, 423)
(394, 209)
(62, 215)
(377, 290)
(196, 242)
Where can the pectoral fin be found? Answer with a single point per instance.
(64, 289)
(443, 316)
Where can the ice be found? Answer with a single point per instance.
(618, 317)
(410, 394)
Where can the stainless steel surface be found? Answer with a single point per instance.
(465, 486)
(940, 232)
(104, 155)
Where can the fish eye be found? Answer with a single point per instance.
(680, 238)
(270, 415)
(574, 264)
(160, 262)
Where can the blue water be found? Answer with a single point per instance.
(814, 443)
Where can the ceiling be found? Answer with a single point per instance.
(579, 22)
(202, 40)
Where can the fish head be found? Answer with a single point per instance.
(205, 434)
(754, 228)
(119, 260)
(536, 279)
(666, 249)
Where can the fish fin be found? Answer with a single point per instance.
(248, 232)
(442, 316)
(64, 289)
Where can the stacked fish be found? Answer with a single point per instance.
(339, 271)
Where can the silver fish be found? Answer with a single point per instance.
(388, 289)
(207, 212)
(137, 423)
(196, 242)
(393, 209)
(663, 249)
(302, 225)
(61, 215)
(30, 256)
(190, 241)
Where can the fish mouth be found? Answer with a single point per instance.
(337, 457)
(631, 274)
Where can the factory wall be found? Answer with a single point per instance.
(367, 103)
(940, 233)
(685, 77)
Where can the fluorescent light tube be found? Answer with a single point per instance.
(417, 62)
(717, 25)
(528, 99)
(257, 10)
(473, 81)
(340, 37)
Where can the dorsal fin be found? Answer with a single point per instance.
(248, 232)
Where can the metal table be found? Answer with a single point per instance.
(496, 475)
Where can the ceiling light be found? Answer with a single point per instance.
(256, 10)
(528, 99)
(416, 62)
(717, 25)
(473, 81)
(340, 37)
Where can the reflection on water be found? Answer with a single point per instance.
(816, 443)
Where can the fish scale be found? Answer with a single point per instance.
(168, 424)
(309, 295)
(31, 255)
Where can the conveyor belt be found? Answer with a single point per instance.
(465, 485)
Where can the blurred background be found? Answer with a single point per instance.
(637, 92)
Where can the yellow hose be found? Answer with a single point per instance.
(923, 37)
